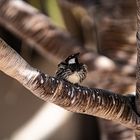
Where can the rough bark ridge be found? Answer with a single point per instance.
(137, 100)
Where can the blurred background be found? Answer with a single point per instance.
(102, 30)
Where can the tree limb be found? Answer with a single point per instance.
(39, 32)
(92, 101)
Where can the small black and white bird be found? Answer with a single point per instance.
(71, 70)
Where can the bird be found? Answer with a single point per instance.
(71, 70)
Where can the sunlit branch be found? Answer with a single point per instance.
(92, 101)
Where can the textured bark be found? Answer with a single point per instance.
(138, 15)
(138, 59)
(138, 75)
(137, 100)
(92, 101)
(40, 31)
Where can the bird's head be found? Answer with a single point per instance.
(71, 62)
(72, 59)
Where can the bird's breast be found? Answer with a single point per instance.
(74, 78)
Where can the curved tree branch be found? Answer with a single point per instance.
(39, 31)
(92, 101)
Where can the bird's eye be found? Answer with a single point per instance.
(71, 61)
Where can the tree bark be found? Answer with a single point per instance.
(92, 101)
(39, 32)
(137, 99)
